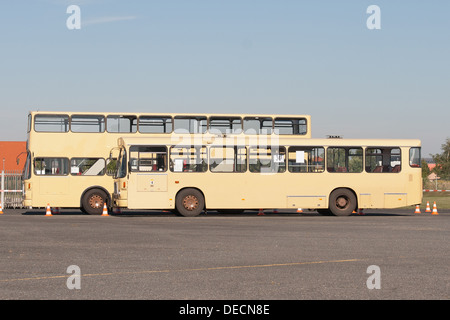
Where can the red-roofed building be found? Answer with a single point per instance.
(11, 151)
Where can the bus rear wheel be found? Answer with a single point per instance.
(342, 202)
(190, 202)
(93, 201)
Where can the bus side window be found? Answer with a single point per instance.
(121, 124)
(258, 125)
(227, 125)
(306, 159)
(296, 126)
(148, 158)
(344, 159)
(267, 159)
(51, 166)
(383, 160)
(190, 124)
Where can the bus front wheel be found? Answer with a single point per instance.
(190, 202)
(342, 202)
(93, 201)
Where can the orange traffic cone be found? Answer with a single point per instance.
(299, 210)
(48, 211)
(428, 209)
(105, 210)
(1, 208)
(417, 209)
(261, 212)
(435, 212)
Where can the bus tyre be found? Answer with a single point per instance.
(190, 202)
(342, 202)
(93, 201)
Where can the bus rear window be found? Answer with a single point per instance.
(415, 157)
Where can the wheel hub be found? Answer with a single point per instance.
(342, 202)
(190, 202)
(96, 201)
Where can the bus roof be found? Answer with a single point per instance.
(171, 114)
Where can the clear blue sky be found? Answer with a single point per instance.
(233, 56)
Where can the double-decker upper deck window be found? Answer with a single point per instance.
(189, 124)
(151, 124)
(296, 126)
(87, 123)
(385, 159)
(227, 125)
(258, 125)
(51, 123)
(121, 124)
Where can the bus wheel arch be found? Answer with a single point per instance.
(190, 202)
(93, 199)
(342, 202)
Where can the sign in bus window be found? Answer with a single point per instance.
(149, 124)
(121, 124)
(87, 123)
(51, 123)
(188, 159)
(267, 159)
(228, 159)
(258, 125)
(306, 159)
(87, 166)
(148, 158)
(51, 166)
(383, 160)
(344, 159)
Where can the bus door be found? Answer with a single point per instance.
(147, 183)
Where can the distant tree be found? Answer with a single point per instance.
(442, 160)
(425, 170)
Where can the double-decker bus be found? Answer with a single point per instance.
(224, 172)
(68, 153)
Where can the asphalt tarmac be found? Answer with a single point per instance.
(154, 255)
